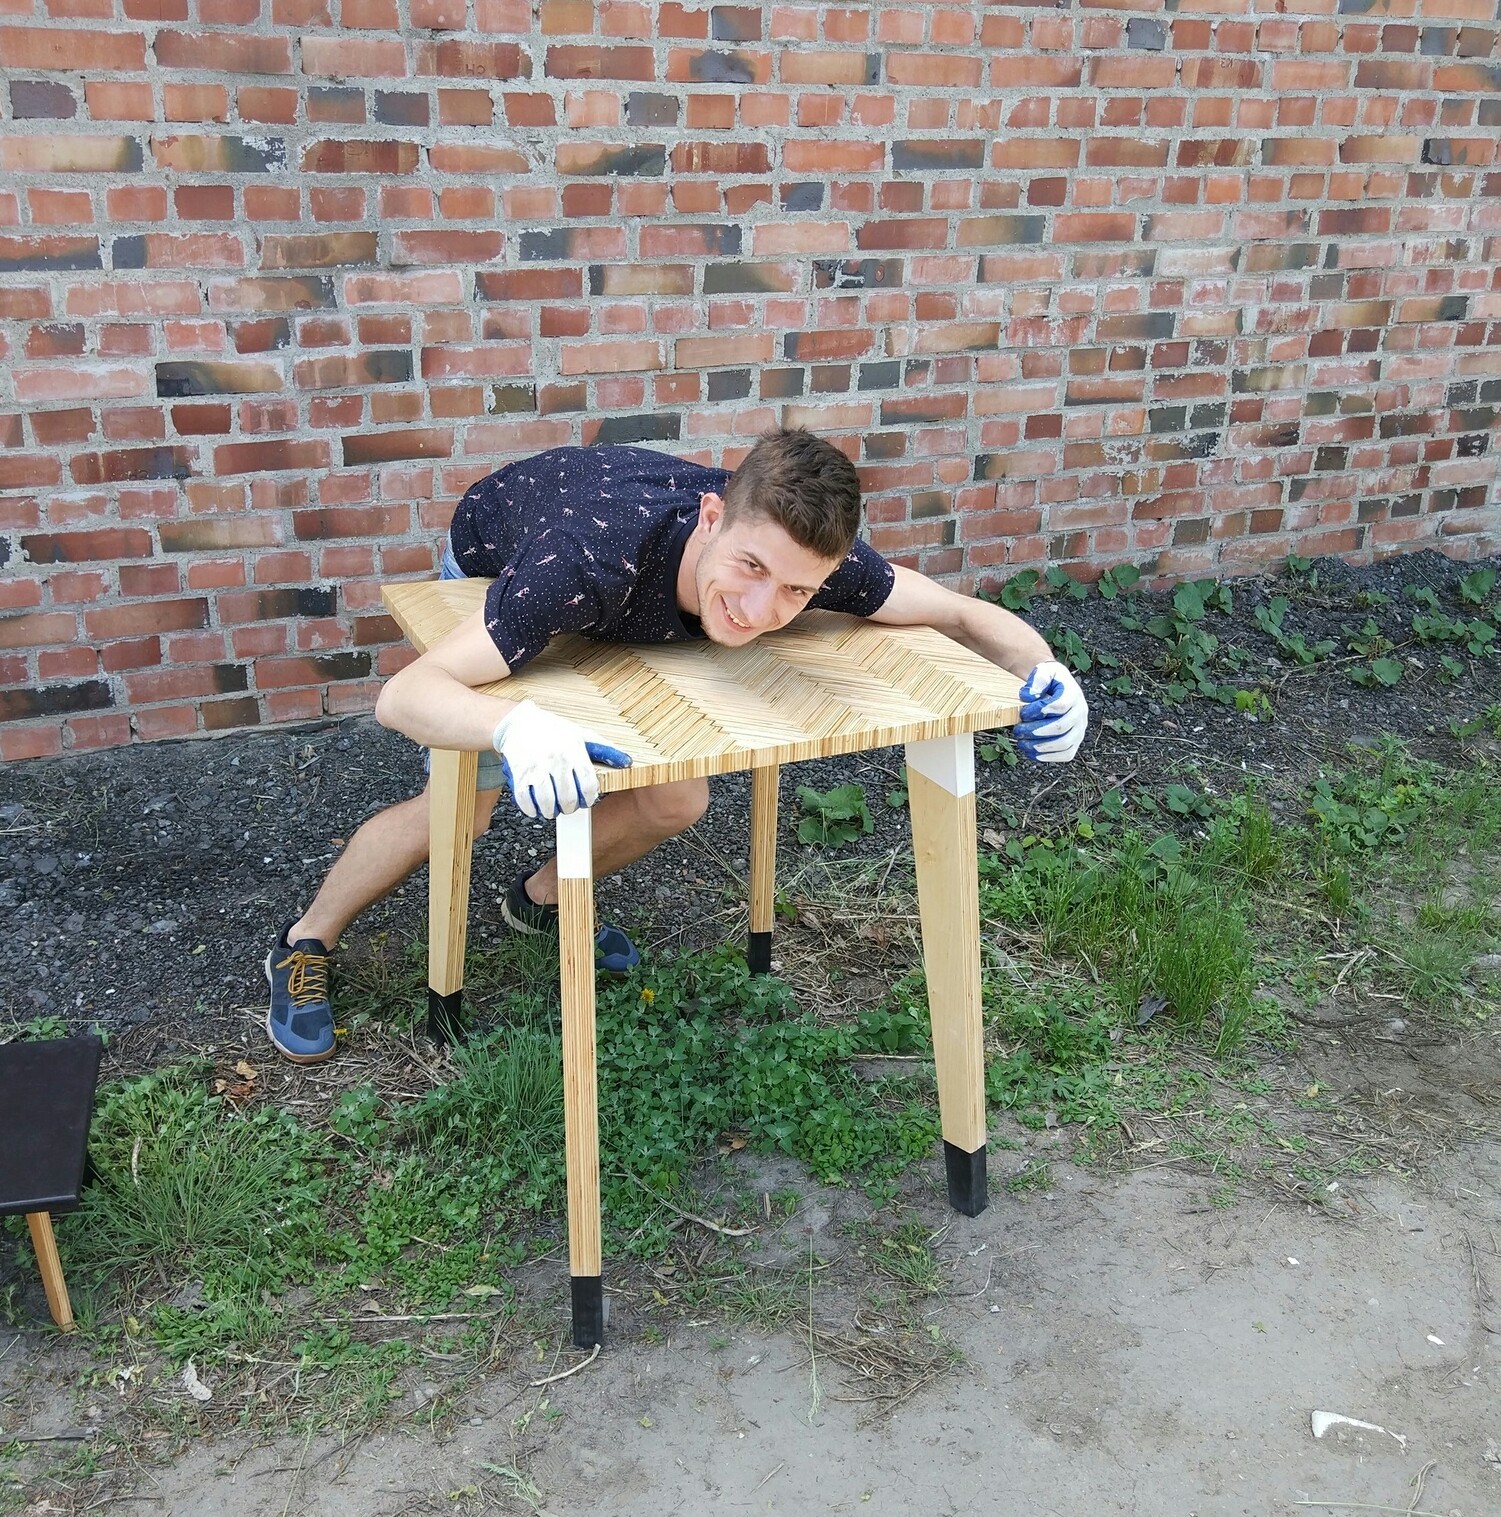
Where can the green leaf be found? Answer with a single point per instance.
(1387, 670)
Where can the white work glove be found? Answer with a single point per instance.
(549, 761)
(1054, 715)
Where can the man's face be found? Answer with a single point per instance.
(751, 577)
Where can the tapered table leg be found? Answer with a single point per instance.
(580, 1095)
(451, 789)
(44, 1246)
(941, 796)
(763, 867)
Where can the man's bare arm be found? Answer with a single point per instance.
(986, 629)
(434, 700)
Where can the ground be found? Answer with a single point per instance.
(1163, 1290)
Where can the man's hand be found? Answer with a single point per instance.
(1054, 715)
(549, 762)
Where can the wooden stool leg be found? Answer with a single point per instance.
(941, 795)
(44, 1245)
(451, 789)
(580, 1097)
(763, 867)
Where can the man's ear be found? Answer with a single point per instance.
(710, 510)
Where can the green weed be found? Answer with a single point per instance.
(833, 816)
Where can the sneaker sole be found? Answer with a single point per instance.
(517, 925)
(286, 1053)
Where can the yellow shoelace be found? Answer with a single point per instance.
(308, 981)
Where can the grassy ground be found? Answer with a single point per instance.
(312, 1247)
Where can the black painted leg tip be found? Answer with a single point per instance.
(445, 1016)
(758, 953)
(588, 1310)
(969, 1190)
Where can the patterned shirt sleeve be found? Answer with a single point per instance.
(859, 586)
(543, 591)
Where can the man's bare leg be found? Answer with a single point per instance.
(394, 843)
(381, 854)
(626, 826)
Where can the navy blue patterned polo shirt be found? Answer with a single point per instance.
(590, 540)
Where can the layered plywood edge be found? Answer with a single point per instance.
(827, 684)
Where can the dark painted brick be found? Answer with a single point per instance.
(960, 153)
(926, 504)
(399, 108)
(735, 23)
(55, 700)
(1473, 445)
(1437, 41)
(657, 427)
(1146, 32)
(1473, 419)
(804, 196)
(644, 159)
(722, 68)
(540, 247)
(1438, 151)
(338, 666)
(185, 377)
(220, 716)
(42, 100)
(880, 376)
(343, 105)
(858, 273)
(745, 279)
(508, 400)
(729, 384)
(1207, 416)
(128, 253)
(28, 255)
(642, 109)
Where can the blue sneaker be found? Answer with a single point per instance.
(300, 1021)
(614, 953)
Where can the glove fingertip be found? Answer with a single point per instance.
(611, 758)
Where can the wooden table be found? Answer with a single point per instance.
(826, 685)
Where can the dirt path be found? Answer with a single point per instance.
(1127, 1349)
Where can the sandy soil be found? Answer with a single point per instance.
(1128, 1349)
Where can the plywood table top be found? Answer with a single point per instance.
(826, 684)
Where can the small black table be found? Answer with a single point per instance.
(46, 1100)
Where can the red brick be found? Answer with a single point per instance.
(231, 52)
(72, 48)
(38, 629)
(347, 57)
(147, 618)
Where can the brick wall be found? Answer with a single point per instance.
(1191, 286)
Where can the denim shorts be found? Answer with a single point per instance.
(491, 774)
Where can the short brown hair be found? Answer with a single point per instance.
(802, 483)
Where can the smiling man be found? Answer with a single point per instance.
(626, 545)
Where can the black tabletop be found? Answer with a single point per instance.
(46, 1099)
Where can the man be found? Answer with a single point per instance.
(626, 545)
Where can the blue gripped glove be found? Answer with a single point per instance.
(1054, 715)
(549, 761)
